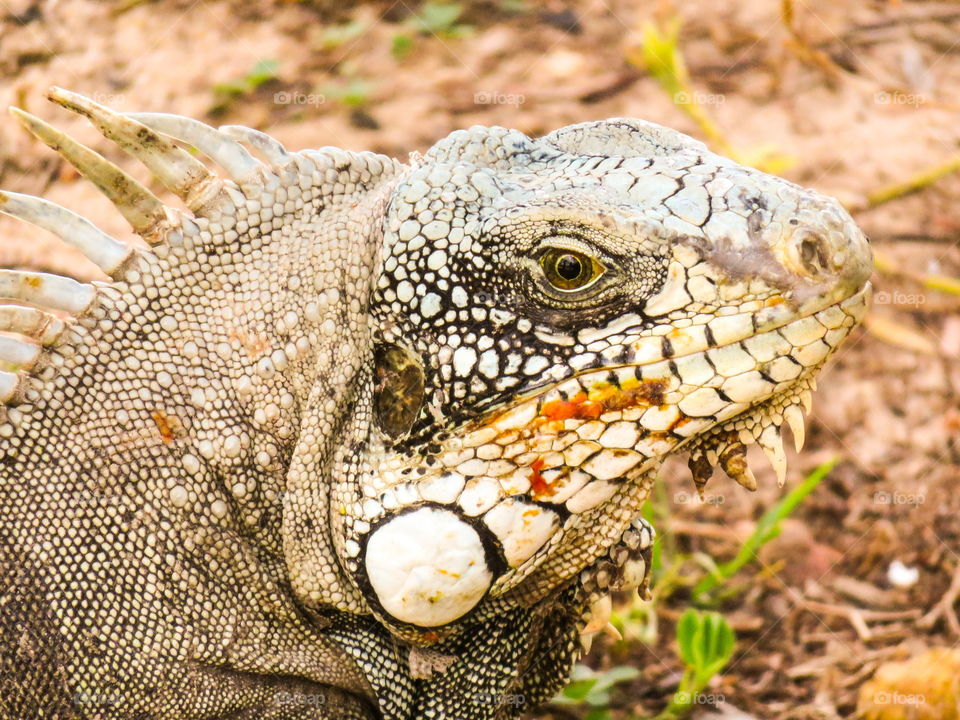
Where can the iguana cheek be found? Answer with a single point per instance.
(427, 567)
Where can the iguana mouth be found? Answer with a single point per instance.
(672, 402)
(519, 476)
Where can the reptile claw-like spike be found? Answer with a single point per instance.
(793, 416)
(701, 468)
(771, 442)
(108, 254)
(175, 168)
(733, 460)
(240, 165)
(746, 479)
(806, 399)
(49, 291)
(9, 382)
(142, 209)
(18, 353)
(586, 643)
(31, 322)
(275, 153)
(611, 630)
(598, 615)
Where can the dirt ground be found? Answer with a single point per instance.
(856, 95)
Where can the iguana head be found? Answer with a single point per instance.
(556, 316)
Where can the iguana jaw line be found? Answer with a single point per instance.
(648, 349)
(517, 481)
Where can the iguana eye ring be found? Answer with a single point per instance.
(569, 270)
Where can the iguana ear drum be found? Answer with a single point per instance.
(399, 389)
(427, 567)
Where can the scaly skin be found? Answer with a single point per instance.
(360, 439)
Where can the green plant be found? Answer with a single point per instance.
(671, 570)
(439, 18)
(513, 6)
(660, 55)
(334, 36)
(591, 689)
(401, 46)
(706, 643)
(353, 93)
(636, 621)
(766, 530)
(262, 72)
(226, 93)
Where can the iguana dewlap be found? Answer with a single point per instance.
(355, 438)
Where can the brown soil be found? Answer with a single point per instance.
(861, 94)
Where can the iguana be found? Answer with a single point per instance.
(355, 438)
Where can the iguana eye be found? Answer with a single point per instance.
(569, 270)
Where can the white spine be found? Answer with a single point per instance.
(34, 323)
(8, 385)
(240, 165)
(275, 153)
(45, 290)
(15, 352)
(107, 253)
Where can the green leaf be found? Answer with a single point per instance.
(438, 17)
(263, 71)
(336, 35)
(766, 530)
(598, 714)
(355, 93)
(578, 690)
(591, 688)
(706, 642)
(615, 676)
(687, 628)
(401, 46)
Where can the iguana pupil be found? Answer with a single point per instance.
(567, 270)
(569, 267)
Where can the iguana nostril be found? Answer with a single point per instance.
(814, 255)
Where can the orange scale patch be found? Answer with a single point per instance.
(579, 407)
(538, 483)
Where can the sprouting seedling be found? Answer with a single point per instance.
(590, 688)
(706, 643)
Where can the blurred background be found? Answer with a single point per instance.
(841, 589)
